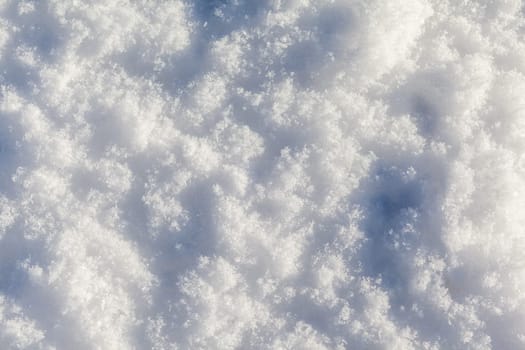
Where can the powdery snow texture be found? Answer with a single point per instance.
(270, 174)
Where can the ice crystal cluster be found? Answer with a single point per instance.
(262, 174)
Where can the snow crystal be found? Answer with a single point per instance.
(274, 174)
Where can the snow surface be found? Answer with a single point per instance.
(262, 174)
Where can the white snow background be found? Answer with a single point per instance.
(262, 174)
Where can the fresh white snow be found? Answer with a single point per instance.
(262, 174)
